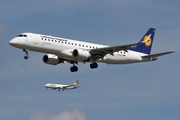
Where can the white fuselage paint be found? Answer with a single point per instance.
(63, 48)
(60, 86)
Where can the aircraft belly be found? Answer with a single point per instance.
(116, 59)
(122, 59)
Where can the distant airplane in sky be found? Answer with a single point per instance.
(63, 87)
(60, 50)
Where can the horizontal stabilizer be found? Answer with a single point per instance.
(157, 55)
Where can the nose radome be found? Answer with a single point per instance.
(13, 42)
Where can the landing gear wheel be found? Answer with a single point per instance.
(93, 65)
(26, 57)
(74, 69)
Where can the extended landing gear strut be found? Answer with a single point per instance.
(93, 65)
(26, 51)
(74, 68)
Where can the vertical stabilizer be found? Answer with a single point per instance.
(75, 83)
(146, 47)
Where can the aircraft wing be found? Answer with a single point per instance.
(157, 55)
(110, 50)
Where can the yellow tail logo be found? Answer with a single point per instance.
(148, 43)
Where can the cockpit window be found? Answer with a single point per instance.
(21, 35)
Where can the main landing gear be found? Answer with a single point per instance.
(26, 51)
(74, 68)
(93, 65)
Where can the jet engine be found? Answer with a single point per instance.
(81, 54)
(52, 59)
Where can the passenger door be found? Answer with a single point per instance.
(36, 39)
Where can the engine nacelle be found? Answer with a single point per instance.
(51, 59)
(81, 54)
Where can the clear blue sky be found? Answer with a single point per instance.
(118, 92)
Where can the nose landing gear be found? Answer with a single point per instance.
(26, 51)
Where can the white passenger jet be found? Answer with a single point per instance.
(63, 87)
(60, 50)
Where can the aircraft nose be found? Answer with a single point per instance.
(13, 42)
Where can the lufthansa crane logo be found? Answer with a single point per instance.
(148, 43)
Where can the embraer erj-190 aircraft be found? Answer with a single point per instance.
(63, 87)
(60, 50)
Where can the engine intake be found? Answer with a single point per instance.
(81, 54)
